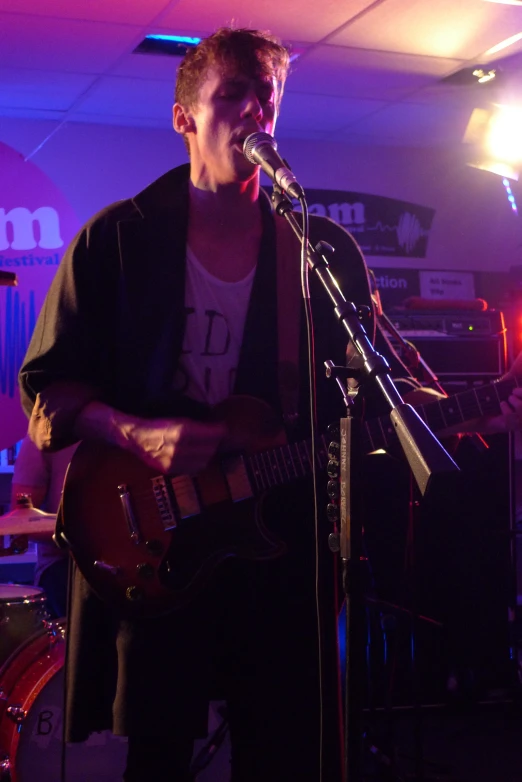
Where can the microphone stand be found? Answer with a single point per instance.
(426, 457)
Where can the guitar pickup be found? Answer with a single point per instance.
(163, 501)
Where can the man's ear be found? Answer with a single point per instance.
(182, 120)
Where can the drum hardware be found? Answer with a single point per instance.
(16, 712)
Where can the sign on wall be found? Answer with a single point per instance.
(36, 225)
(381, 226)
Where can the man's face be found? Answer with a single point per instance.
(230, 107)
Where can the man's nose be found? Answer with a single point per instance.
(252, 106)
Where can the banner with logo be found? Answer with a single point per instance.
(36, 225)
(381, 226)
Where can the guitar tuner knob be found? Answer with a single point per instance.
(145, 570)
(332, 512)
(334, 430)
(333, 468)
(334, 450)
(334, 543)
(134, 594)
(332, 489)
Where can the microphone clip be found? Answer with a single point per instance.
(280, 202)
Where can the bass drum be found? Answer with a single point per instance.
(31, 708)
(22, 613)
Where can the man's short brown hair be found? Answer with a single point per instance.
(250, 51)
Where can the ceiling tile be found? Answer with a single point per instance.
(411, 124)
(291, 20)
(40, 89)
(127, 11)
(463, 29)
(129, 98)
(62, 44)
(105, 118)
(147, 66)
(319, 112)
(335, 70)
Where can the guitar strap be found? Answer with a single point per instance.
(288, 317)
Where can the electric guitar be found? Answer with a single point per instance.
(148, 542)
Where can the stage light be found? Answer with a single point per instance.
(495, 136)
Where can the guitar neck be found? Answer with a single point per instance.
(285, 464)
(451, 411)
(293, 461)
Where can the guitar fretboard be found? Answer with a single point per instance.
(444, 413)
(285, 464)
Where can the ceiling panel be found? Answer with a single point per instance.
(129, 98)
(134, 12)
(460, 29)
(295, 20)
(62, 44)
(40, 89)
(414, 124)
(335, 70)
(106, 118)
(147, 66)
(321, 112)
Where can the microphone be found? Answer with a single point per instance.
(261, 149)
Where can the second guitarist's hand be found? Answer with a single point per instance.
(169, 445)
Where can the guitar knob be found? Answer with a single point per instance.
(145, 570)
(133, 594)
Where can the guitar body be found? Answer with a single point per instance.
(144, 558)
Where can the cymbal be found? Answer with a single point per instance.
(28, 521)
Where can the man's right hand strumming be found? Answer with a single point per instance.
(170, 445)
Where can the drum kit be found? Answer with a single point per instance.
(32, 658)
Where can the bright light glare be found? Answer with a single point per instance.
(504, 44)
(504, 138)
(506, 2)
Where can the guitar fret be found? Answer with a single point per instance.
(504, 389)
(469, 405)
(289, 450)
(267, 466)
(434, 416)
(298, 452)
(488, 400)
(322, 453)
(450, 410)
(279, 470)
(308, 457)
(257, 472)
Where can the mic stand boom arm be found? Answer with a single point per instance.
(425, 454)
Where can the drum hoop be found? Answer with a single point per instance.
(26, 690)
(36, 595)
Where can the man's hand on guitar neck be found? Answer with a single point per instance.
(511, 417)
(170, 445)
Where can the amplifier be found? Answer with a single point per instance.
(456, 344)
